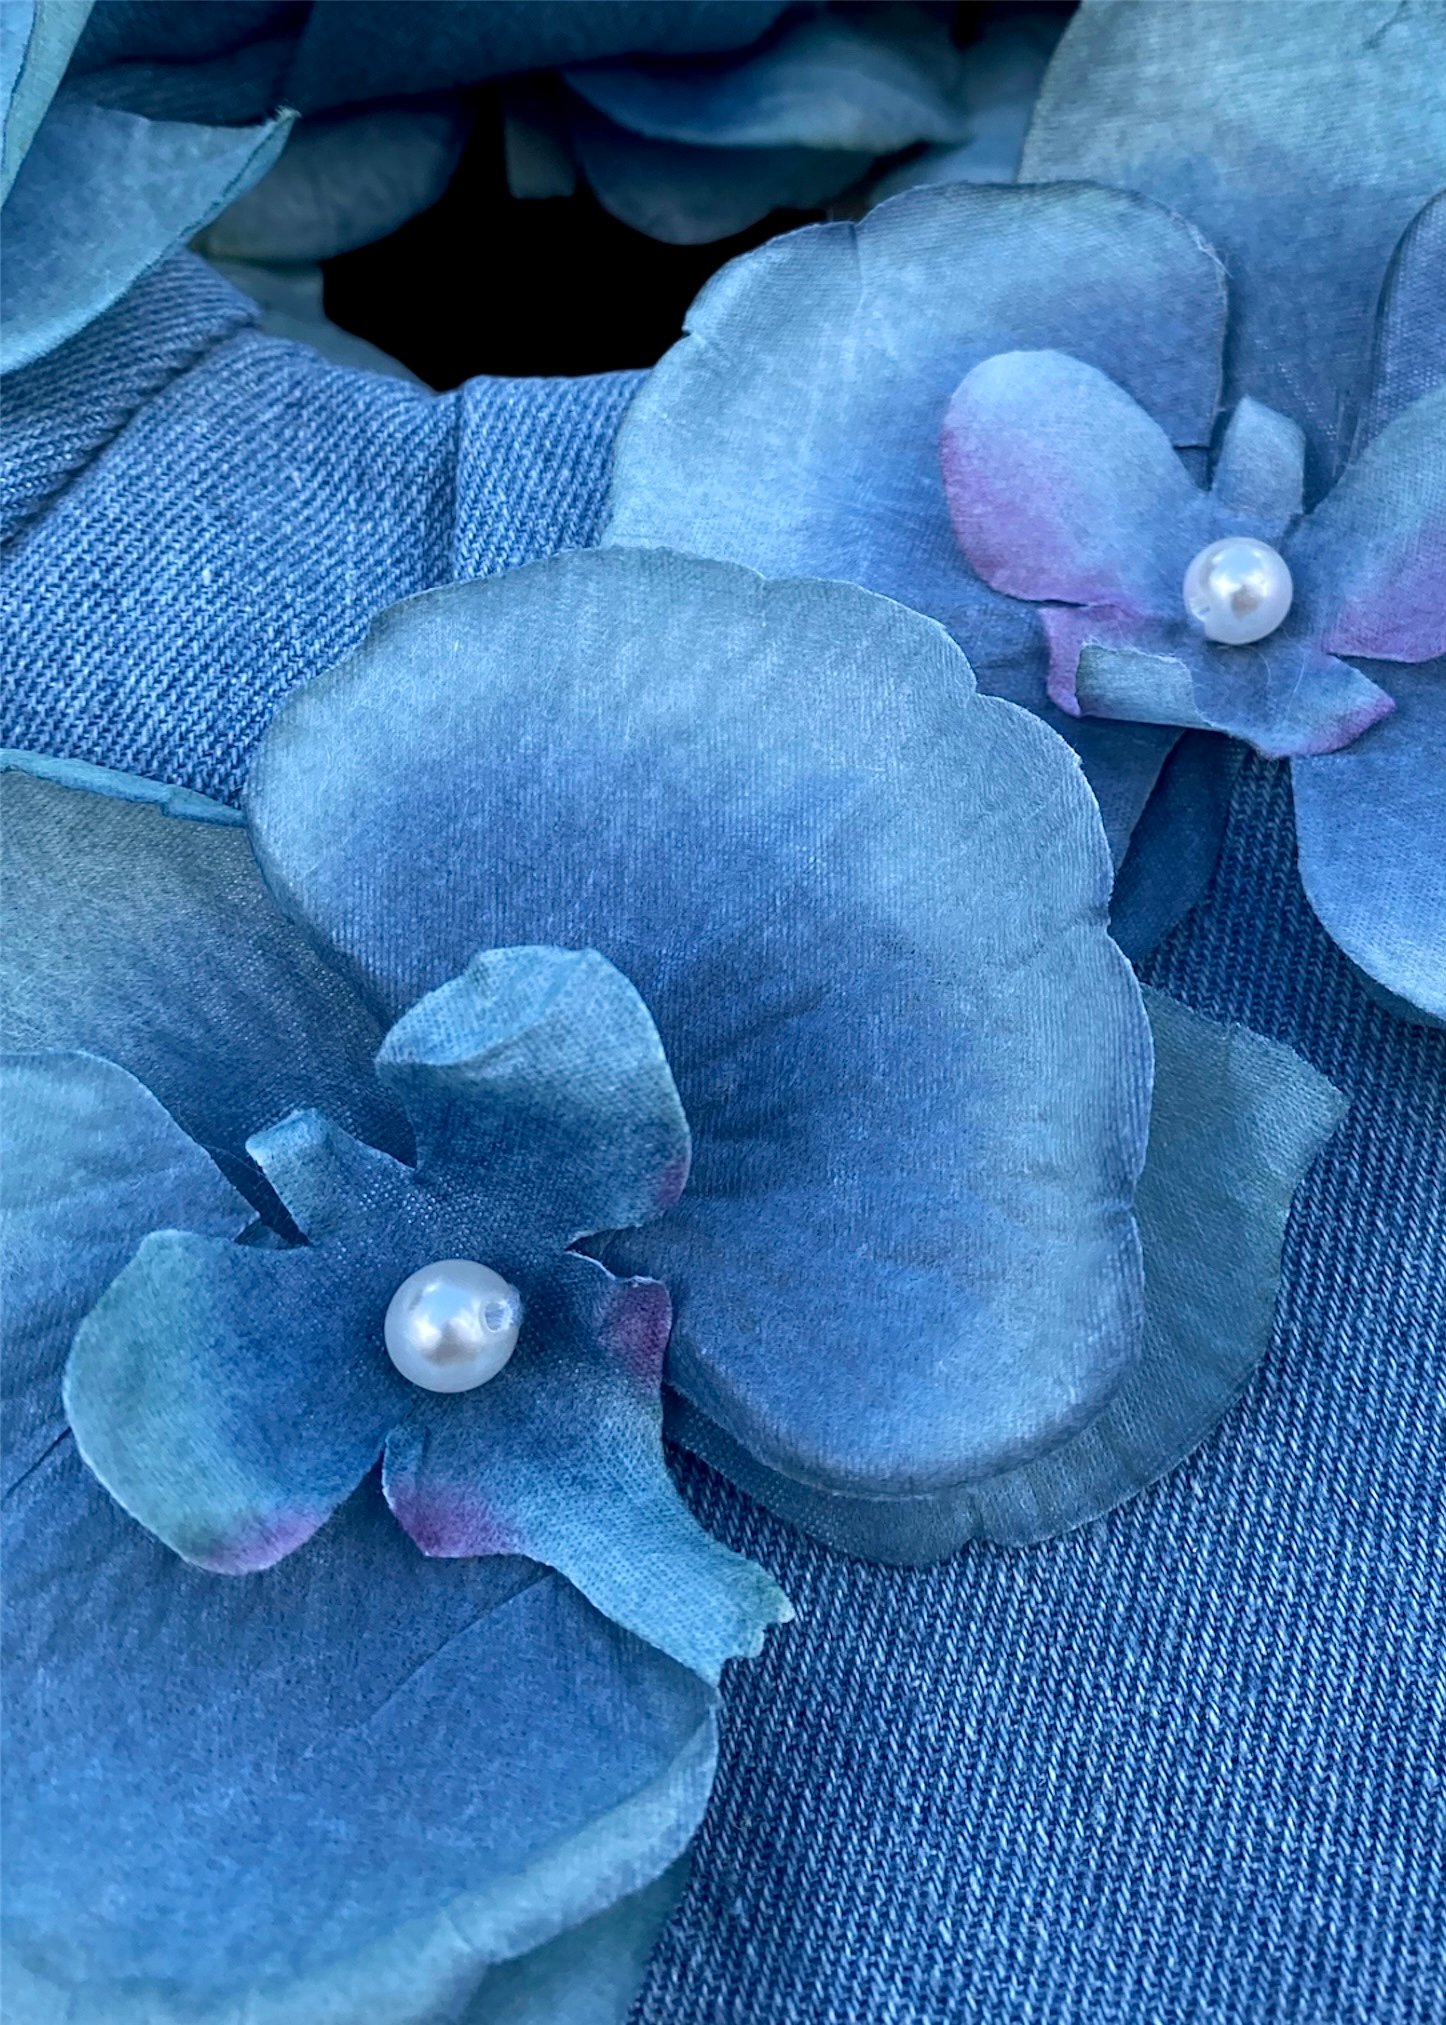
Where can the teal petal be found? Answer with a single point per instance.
(36, 40)
(1259, 475)
(74, 1214)
(101, 199)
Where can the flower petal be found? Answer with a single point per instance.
(1372, 556)
(412, 1777)
(560, 1457)
(1215, 111)
(74, 1213)
(138, 928)
(1062, 488)
(101, 198)
(1238, 1120)
(1410, 348)
(342, 181)
(230, 1396)
(871, 81)
(538, 1076)
(915, 1066)
(1281, 695)
(796, 426)
(38, 40)
(1259, 475)
(1371, 828)
(689, 196)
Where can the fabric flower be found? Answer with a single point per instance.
(1064, 491)
(694, 149)
(796, 428)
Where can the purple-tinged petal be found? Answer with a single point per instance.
(1061, 487)
(1371, 826)
(1260, 473)
(1070, 629)
(538, 1076)
(1371, 559)
(230, 1396)
(560, 1457)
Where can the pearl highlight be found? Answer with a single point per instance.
(1238, 590)
(453, 1325)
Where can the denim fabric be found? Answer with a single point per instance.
(1184, 1767)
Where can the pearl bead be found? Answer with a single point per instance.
(1238, 589)
(453, 1325)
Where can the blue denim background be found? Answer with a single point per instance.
(1187, 1767)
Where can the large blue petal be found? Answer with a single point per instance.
(73, 1216)
(354, 1788)
(101, 198)
(138, 927)
(1216, 110)
(871, 81)
(1371, 828)
(1237, 1121)
(865, 907)
(539, 1073)
(796, 427)
(560, 1458)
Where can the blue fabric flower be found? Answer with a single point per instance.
(1063, 490)
(796, 428)
(232, 1394)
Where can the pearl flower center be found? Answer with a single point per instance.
(453, 1325)
(1238, 590)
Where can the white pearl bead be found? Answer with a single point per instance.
(1238, 589)
(453, 1325)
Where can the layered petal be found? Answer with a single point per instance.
(89, 1164)
(1372, 556)
(1237, 1122)
(796, 426)
(421, 1782)
(560, 1458)
(101, 198)
(538, 1077)
(138, 928)
(1282, 695)
(1259, 475)
(866, 909)
(1409, 357)
(871, 81)
(36, 40)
